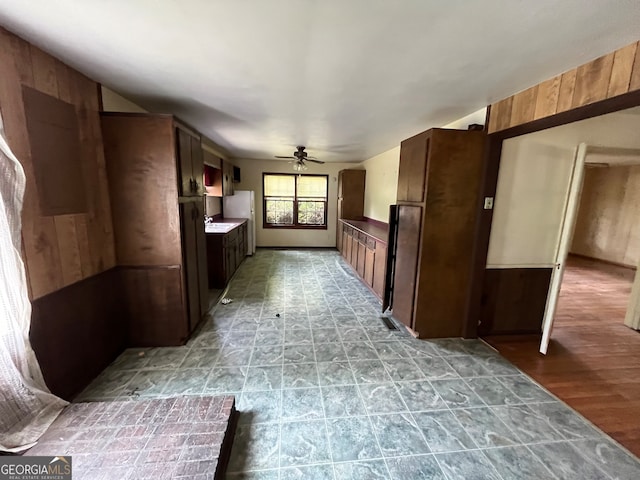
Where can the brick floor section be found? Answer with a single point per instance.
(184, 437)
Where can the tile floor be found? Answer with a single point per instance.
(326, 391)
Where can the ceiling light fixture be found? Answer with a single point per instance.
(299, 167)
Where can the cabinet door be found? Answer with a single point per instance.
(348, 240)
(239, 252)
(353, 259)
(369, 261)
(345, 241)
(201, 248)
(379, 269)
(352, 194)
(197, 166)
(229, 262)
(413, 168)
(190, 274)
(185, 170)
(362, 252)
(406, 266)
(227, 178)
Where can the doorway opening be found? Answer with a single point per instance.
(592, 359)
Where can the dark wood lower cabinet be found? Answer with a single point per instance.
(365, 253)
(225, 253)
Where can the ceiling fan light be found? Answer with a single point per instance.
(299, 167)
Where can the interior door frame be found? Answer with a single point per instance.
(492, 155)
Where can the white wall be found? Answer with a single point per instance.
(381, 184)
(382, 173)
(113, 102)
(478, 117)
(533, 184)
(251, 174)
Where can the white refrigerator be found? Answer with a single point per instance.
(242, 205)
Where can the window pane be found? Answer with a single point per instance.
(279, 186)
(279, 211)
(310, 186)
(310, 213)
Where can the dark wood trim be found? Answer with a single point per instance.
(137, 114)
(100, 102)
(486, 118)
(294, 227)
(490, 181)
(596, 109)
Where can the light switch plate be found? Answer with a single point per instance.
(488, 203)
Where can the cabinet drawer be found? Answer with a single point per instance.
(362, 237)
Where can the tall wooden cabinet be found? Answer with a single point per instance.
(438, 190)
(154, 167)
(351, 185)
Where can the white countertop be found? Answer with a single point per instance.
(223, 227)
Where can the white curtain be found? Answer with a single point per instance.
(27, 408)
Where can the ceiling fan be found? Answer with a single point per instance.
(299, 157)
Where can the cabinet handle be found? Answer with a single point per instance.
(196, 187)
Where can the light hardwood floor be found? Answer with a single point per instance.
(593, 361)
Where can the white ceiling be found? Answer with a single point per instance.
(348, 78)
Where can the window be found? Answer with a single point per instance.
(295, 201)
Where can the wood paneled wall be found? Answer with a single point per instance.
(608, 76)
(59, 249)
(607, 223)
(79, 330)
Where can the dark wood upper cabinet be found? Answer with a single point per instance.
(227, 178)
(413, 168)
(351, 185)
(438, 193)
(189, 162)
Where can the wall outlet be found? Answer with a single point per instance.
(488, 203)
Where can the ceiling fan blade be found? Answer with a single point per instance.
(314, 160)
(280, 156)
